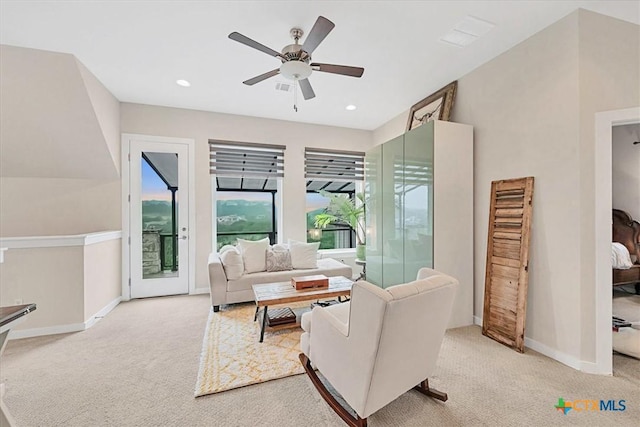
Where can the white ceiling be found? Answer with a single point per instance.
(138, 49)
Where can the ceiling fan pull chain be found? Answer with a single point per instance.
(295, 96)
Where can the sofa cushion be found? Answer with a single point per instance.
(327, 266)
(232, 262)
(254, 254)
(304, 255)
(278, 259)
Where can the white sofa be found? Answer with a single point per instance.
(225, 291)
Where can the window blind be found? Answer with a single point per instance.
(244, 159)
(332, 165)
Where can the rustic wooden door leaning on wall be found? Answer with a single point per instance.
(507, 272)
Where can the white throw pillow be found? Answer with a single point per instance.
(254, 254)
(304, 255)
(232, 262)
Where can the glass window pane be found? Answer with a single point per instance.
(247, 215)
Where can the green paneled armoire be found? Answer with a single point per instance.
(419, 192)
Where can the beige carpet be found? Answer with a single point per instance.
(233, 357)
(138, 365)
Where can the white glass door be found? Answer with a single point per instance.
(158, 218)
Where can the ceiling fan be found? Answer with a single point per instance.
(296, 58)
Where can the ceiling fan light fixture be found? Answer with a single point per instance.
(295, 70)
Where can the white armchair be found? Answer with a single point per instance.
(379, 345)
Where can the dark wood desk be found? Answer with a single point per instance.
(9, 317)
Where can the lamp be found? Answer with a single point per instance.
(315, 233)
(295, 70)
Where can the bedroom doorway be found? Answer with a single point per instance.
(157, 217)
(605, 122)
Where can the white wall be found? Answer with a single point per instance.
(51, 277)
(71, 279)
(102, 278)
(524, 106)
(202, 126)
(60, 145)
(626, 169)
(533, 111)
(609, 55)
(57, 206)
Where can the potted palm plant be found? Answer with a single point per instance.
(344, 210)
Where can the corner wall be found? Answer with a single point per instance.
(609, 53)
(533, 111)
(524, 106)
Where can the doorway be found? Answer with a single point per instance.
(157, 216)
(605, 121)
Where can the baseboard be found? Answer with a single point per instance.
(564, 358)
(102, 313)
(552, 353)
(199, 291)
(48, 330)
(593, 368)
(65, 329)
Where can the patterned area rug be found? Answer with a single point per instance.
(232, 357)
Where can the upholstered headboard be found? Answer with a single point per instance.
(627, 232)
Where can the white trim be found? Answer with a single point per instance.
(49, 330)
(591, 368)
(102, 313)
(94, 238)
(59, 241)
(566, 359)
(332, 253)
(2, 250)
(191, 143)
(604, 122)
(199, 291)
(124, 193)
(67, 328)
(124, 153)
(552, 353)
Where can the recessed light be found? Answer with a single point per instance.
(183, 83)
(350, 107)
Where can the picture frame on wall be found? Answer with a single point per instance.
(436, 106)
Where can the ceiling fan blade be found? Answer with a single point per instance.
(254, 44)
(261, 77)
(307, 90)
(318, 32)
(338, 69)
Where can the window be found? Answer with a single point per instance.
(337, 172)
(245, 182)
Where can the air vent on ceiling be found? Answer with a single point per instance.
(284, 86)
(467, 31)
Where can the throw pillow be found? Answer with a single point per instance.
(304, 255)
(278, 259)
(232, 262)
(254, 254)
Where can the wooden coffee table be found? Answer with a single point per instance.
(269, 294)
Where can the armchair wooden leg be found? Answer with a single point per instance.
(333, 403)
(431, 392)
